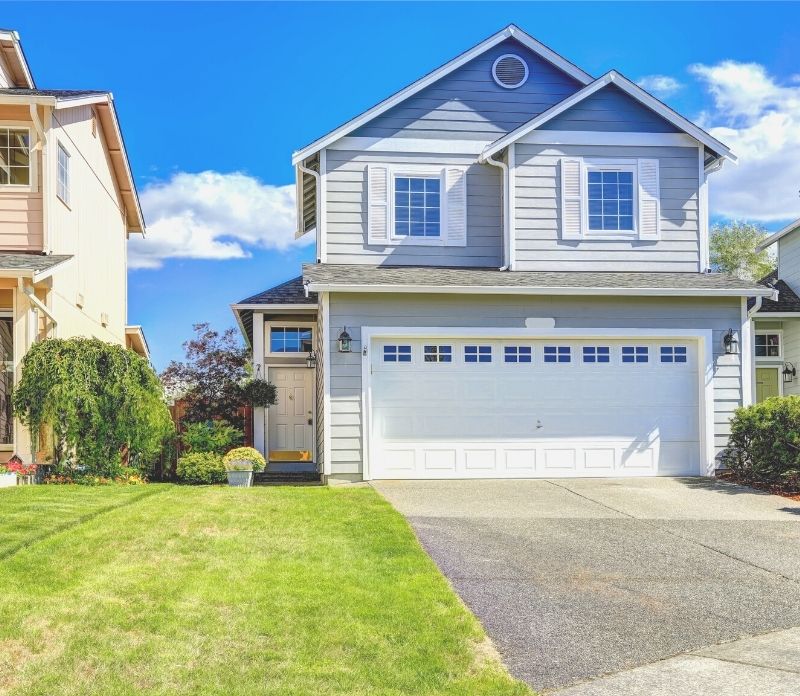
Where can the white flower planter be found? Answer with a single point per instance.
(240, 479)
(8, 480)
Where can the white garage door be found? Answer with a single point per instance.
(442, 408)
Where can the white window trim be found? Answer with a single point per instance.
(418, 172)
(769, 332)
(614, 165)
(59, 149)
(268, 325)
(33, 170)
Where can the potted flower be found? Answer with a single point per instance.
(24, 473)
(240, 463)
(7, 478)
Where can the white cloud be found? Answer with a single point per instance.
(661, 86)
(759, 119)
(210, 215)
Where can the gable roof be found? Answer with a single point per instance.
(11, 50)
(291, 292)
(775, 236)
(632, 90)
(511, 31)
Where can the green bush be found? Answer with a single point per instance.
(246, 454)
(216, 436)
(201, 467)
(764, 445)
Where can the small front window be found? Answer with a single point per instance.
(477, 354)
(518, 354)
(394, 353)
(62, 185)
(438, 354)
(673, 354)
(610, 198)
(556, 354)
(634, 354)
(15, 161)
(417, 207)
(290, 339)
(768, 345)
(596, 354)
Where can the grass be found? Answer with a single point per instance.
(176, 590)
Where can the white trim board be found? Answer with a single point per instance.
(412, 145)
(705, 370)
(775, 236)
(511, 31)
(558, 137)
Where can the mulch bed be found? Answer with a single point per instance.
(788, 489)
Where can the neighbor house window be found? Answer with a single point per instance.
(62, 185)
(15, 159)
(393, 353)
(673, 354)
(518, 354)
(610, 196)
(440, 354)
(768, 345)
(634, 354)
(556, 354)
(477, 354)
(417, 206)
(290, 339)
(596, 354)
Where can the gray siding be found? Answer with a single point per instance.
(346, 200)
(468, 104)
(355, 311)
(789, 259)
(539, 246)
(610, 109)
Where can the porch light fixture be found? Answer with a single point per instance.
(311, 359)
(730, 343)
(345, 341)
(789, 373)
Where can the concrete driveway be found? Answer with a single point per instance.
(579, 578)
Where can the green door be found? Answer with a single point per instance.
(766, 383)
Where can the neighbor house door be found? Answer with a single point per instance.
(767, 383)
(291, 418)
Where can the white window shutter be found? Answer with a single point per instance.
(378, 204)
(571, 189)
(455, 206)
(649, 200)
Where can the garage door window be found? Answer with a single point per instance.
(518, 354)
(557, 354)
(477, 354)
(438, 354)
(596, 354)
(634, 354)
(395, 353)
(673, 354)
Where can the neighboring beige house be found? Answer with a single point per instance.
(67, 206)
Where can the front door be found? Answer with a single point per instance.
(291, 418)
(766, 383)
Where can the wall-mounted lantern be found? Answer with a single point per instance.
(311, 359)
(789, 373)
(345, 341)
(730, 342)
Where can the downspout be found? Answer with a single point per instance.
(317, 195)
(506, 211)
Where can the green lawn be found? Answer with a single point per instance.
(173, 590)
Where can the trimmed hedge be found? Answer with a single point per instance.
(764, 444)
(201, 467)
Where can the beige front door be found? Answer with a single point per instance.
(291, 418)
(767, 383)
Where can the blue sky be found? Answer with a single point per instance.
(235, 88)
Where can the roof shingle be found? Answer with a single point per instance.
(290, 292)
(787, 301)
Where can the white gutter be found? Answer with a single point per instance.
(506, 211)
(756, 307)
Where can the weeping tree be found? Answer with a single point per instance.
(98, 403)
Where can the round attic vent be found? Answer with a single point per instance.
(510, 71)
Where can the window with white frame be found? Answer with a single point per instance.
(518, 354)
(417, 206)
(634, 354)
(290, 339)
(15, 157)
(557, 354)
(62, 183)
(437, 354)
(396, 353)
(596, 354)
(610, 198)
(768, 344)
(477, 354)
(673, 354)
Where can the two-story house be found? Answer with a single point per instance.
(67, 205)
(776, 321)
(512, 281)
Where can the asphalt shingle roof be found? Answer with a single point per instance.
(435, 277)
(787, 301)
(290, 292)
(31, 262)
(58, 93)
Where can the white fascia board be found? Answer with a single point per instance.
(42, 275)
(776, 315)
(303, 233)
(497, 290)
(631, 90)
(235, 309)
(411, 145)
(14, 38)
(775, 236)
(509, 32)
(72, 102)
(27, 99)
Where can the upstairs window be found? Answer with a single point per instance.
(417, 206)
(768, 345)
(610, 199)
(290, 339)
(15, 158)
(62, 185)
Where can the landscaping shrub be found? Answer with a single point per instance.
(244, 454)
(764, 444)
(201, 467)
(216, 436)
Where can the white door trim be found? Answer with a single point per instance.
(313, 398)
(704, 339)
